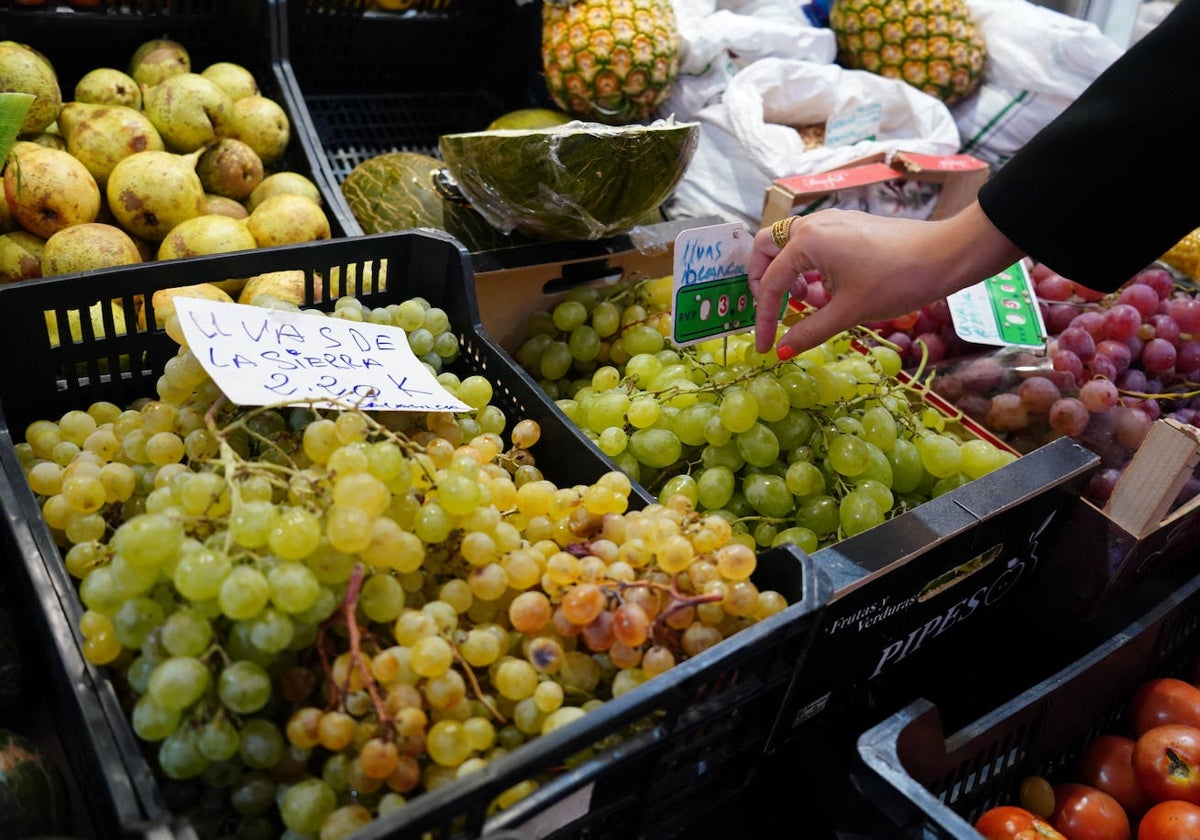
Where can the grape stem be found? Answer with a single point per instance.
(347, 617)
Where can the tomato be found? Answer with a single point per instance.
(1008, 822)
(1163, 700)
(1166, 761)
(1107, 763)
(1082, 812)
(1170, 820)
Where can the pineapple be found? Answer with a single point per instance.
(934, 45)
(1184, 255)
(609, 61)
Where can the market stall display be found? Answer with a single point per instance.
(608, 585)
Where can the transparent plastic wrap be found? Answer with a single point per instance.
(580, 180)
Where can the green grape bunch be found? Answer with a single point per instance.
(316, 614)
(807, 452)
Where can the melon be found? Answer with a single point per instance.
(399, 191)
(33, 798)
(581, 180)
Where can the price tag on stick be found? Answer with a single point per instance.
(262, 356)
(1000, 310)
(711, 295)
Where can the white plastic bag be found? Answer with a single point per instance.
(749, 138)
(718, 39)
(1038, 61)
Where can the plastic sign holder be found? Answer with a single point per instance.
(711, 294)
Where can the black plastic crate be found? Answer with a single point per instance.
(375, 81)
(910, 779)
(79, 39)
(706, 721)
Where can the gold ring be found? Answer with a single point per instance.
(781, 232)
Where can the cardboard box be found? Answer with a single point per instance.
(1106, 550)
(958, 178)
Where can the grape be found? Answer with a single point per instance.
(1068, 416)
(1141, 297)
(1158, 355)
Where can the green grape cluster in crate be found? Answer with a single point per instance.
(317, 615)
(807, 451)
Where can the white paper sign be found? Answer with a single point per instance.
(264, 356)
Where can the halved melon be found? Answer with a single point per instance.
(580, 180)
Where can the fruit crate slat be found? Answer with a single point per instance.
(240, 31)
(730, 693)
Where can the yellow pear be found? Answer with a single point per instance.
(108, 86)
(236, 80)
(87, 247)
(95, 316)
(283, 182)
(158, 59)
(287, 219)
(20, 256)
(163, 301)
(263, 125)
(49, 189)
(188, 110)
(287, 286)
(100, 136)
(225, 206)
(150, 192)
(210, 233)
(25, 70)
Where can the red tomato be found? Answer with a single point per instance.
(1008, 822)
(1107, 763)
(1082, 812)
(1166, 761)
(1163, 700)
(1171, 820)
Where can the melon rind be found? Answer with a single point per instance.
(580, 180)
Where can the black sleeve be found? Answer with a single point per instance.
(1113, 182)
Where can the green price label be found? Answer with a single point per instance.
(713, 308)
(1001, 310)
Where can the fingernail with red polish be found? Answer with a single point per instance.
(784, 352)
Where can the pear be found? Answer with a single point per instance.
(262, 124)
(206, 234)
(286, 219)
(87, 247)
(49, 189)
(95, 316)
(230, 168)
(20, 256)
(102, 135)
(158, 59)
(188, 110)
(163, 300)
(151, 192)
(224, 206)
(235, 79)
(278, 183)
(49, 139)
(108, 86)
(25, 70)
(286, 285)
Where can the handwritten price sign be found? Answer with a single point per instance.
(262, 357)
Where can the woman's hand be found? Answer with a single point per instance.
(875, 268)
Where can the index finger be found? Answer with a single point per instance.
(777, 279)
